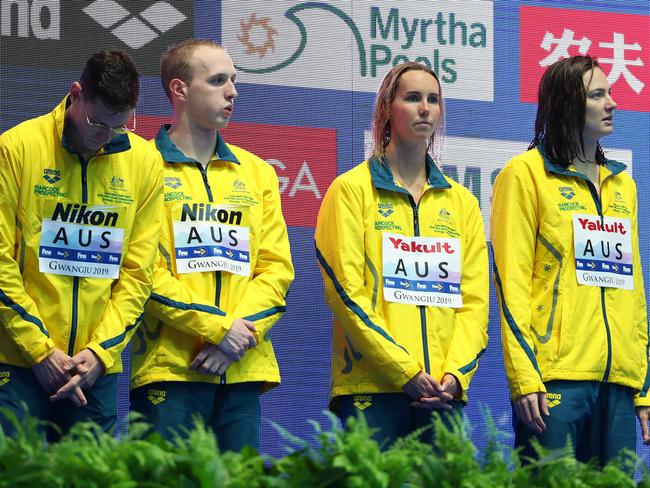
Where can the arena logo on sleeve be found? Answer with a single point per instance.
(620, 42)
(288, 43)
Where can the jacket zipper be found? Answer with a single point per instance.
(423, 314)
(217, 274)
(76, 280)
(599, 209)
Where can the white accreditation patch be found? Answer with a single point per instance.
(603, 251)
(209, 237)
(81, 240)
(421, 270)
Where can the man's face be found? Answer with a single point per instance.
(211, 94)
(94, 122)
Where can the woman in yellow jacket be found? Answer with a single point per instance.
(403, 257)
(568, 275)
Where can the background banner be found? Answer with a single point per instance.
(308, 76)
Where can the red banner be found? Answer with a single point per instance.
(620, 42)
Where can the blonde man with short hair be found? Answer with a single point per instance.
(224, 267)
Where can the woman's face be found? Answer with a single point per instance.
(599, 106)
(415, 110)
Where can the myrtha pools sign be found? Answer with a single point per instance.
(298, 43)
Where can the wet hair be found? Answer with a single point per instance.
(560, 116)
(385, 97)
(176, 61)
(112, 77)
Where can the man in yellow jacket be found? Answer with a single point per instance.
(224, 265)
(80, 205)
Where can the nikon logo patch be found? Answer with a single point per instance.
(5, 377)
(207, 212)
(156, 396)
(81, 214)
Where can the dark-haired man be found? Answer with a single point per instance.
(80, 206)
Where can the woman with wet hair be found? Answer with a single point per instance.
(403, 257)
(568, 275)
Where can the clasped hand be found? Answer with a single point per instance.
(63, 376)
(215, 359)
(427, 392)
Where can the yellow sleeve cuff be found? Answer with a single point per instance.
(41, 352)
(104, 356)
(527, 389)
(640, 401)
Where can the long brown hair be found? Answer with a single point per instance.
(560, 116)
(381, 115)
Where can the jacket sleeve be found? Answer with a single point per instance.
(131, 290)
(264, 300)
(469, 338)
(640, 317)
(514, 227)
(19, 315)
(180, 307)
(341, 255)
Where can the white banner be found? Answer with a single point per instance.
(289, 43)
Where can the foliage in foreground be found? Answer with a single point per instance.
(339, 457)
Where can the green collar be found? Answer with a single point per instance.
(615, 167)
(382, 177)
(172, 154)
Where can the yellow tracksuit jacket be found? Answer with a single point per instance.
(552, 327)
(378, 346)
(41, 311)
(187, 309)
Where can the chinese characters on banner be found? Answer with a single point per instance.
(620, 42)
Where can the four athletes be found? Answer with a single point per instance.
(100, 231)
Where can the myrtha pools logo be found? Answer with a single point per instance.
(293, 43)
(135, 30)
